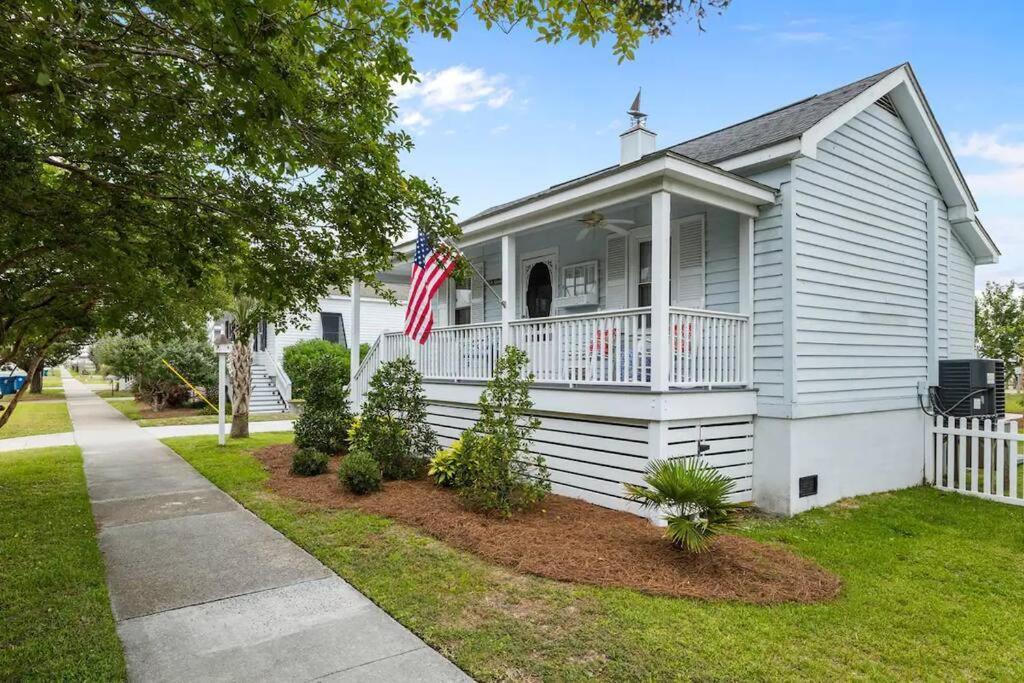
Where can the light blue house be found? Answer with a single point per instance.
(774, 296)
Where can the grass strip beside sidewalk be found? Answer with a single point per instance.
(54, 609)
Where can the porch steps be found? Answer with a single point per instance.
(265, 396)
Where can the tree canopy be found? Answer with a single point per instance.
(999, 325)
(155, 156)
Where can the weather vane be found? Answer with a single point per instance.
(636, 116)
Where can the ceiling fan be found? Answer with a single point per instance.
(594, 220)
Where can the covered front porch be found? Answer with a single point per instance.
(644, 283)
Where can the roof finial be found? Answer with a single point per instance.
(637, 117)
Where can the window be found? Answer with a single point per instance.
(643, 294)
(333, 329)
(579, 278)
(463, 302)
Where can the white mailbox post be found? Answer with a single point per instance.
(223, 349)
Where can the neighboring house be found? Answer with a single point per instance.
(331, 321)
(775, 295)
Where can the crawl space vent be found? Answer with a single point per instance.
(808, 486)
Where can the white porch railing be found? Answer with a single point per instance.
(708, 348)
(461, 352)
(281, 378)
(360, 380)
(611, 347)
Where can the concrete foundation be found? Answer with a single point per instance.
(851, 455)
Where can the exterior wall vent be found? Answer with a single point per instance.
(886, 103)
(808, 486)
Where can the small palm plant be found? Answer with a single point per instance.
(693, 496)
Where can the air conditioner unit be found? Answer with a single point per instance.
(972, 387)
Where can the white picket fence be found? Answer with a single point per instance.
(975, 457)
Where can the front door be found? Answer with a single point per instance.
(538, 275)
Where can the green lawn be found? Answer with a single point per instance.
(54, 608)
(53, 379)
(37, 418)
(133, 411)
(932, 587)
(49, 394)
(1014, 403)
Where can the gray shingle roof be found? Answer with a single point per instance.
(753, 134)
(774, 127)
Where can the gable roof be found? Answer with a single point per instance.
(779, 125)
(798, 127)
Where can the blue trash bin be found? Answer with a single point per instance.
(11, 384)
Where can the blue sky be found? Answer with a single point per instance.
(498, 116)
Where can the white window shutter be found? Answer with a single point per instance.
(688, 290)
(476, 294)
(615, 273)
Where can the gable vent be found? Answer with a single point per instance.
(886, 103)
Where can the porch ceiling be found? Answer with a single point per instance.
(613, 188)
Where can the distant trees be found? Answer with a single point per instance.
(999, 327)
(141, 360)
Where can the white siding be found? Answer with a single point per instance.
(961, 302)
(592, 460)
(768, 304)
(375, 316)
(861, 264)
(722, 268)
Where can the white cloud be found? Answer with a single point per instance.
(1003, 158)
(498, 130)
(457, 88)
(414, 119)
(802, 36)
(991, 147)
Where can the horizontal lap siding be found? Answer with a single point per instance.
(768, 295)
(961, 302)
(729, 449)
(592, 460)
(375, 317)
(722, 266)
(861, 258)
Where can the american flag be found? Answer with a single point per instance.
(429, 269)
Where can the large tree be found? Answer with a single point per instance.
(156, 155)
(999, 326)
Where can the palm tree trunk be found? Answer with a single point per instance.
(241, 388)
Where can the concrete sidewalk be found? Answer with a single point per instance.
(203, 590)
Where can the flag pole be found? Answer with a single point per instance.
(481, 275)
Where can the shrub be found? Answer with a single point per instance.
(300, 358)
(449, 467)
(353, 429)
(309, 462)
(360, 472)
(141, 360)
(326, 417)
(393, 425)
(694, 497)
(501, 475)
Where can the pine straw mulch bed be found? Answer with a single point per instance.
(571, 540)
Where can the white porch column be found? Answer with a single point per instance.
(353, 344)
(746, 284)
(508, 287)
(661, 212)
